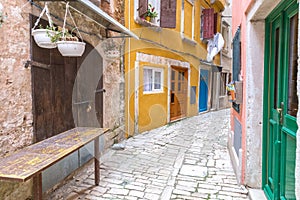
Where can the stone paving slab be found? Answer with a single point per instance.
(187, 159)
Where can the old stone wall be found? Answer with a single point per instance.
(15, 89)
(16, 130)
(15, 79)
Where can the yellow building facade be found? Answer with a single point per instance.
(162, 68)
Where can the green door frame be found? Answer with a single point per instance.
(290, 7)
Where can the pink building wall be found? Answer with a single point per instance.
(239, 12)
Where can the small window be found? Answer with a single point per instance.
(193, 95)
(223, 83)
(225, 34)
(189, 14)
(153, 80)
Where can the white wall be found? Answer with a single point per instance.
(254, 102)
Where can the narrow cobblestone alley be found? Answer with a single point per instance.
(184, 160)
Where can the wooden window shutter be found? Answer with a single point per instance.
(208, 23)
(215, 23)
(143, 7)
(168, 13)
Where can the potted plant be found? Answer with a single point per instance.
(67, 43)
(151, 14)
(230, 88)
(42, 36)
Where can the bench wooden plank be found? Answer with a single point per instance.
(24, 164)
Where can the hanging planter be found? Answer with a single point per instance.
(71, 48)
(42, 36)
(68, 44)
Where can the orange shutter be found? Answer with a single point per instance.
(208, 23)
(168, 13)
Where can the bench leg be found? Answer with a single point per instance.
(97, 161)
(37, 187)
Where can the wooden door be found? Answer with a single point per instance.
(88, 90)
(280, 102)
(178, 103)
(53, 78)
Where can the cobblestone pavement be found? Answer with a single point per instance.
(184, 160)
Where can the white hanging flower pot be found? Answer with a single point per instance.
(42, 37)
(69, 44)
(71, 48)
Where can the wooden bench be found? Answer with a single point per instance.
(32, 160)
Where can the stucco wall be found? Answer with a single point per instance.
(145, 111)
(152, 113)
(254, 102)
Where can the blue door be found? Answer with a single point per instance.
(203, 94)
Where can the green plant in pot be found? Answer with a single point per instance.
(43, 36)
(151, 14)
(68, 44)
(65, 35)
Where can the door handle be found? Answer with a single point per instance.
(280, 112)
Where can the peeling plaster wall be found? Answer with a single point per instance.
(113, 100)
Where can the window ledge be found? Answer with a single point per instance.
(188, 40)
(152, 92)
(147, 24)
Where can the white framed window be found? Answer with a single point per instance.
(166, 13)
(153, 80)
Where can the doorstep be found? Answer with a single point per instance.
(257, 194)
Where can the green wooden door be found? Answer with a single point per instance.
(280, 102)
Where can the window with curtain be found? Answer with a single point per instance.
(153, 80)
